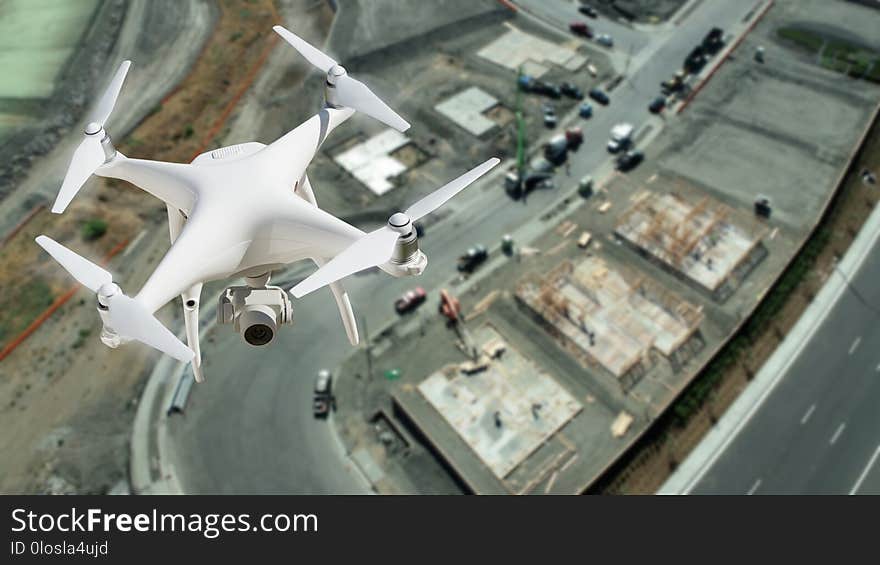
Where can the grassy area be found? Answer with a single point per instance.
(94, 229)
(836, 54)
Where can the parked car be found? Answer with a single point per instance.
(630, 160)
(550, 120)
(472, 259)
(571, 91)
(605, 40)
(581, 29)
(574, 136)
(714, 40)
(588, 11)
(656, 106)
(585, 110)
(323, 397)
(696, 60)
(546, 89)
(584, 239)
(410, 300)
(599, 96)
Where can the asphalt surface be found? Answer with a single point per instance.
(818, 432)
(249, 429)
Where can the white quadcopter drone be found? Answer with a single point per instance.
(244, 210)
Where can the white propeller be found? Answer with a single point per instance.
(90, 155)
(127, 317)
(377, 247)
(349, 92)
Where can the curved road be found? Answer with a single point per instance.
(249, 429)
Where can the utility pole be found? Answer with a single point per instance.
(520, 132)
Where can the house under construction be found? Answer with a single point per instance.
(697, 240)
(603, 315)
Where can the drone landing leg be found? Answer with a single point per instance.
(191, 321)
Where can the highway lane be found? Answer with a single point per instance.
(249, 429)
(819, 430)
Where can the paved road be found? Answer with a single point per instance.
(250, 430)
(819, 430)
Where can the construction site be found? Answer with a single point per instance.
(697, 238)
(604, 317)
(510, 415)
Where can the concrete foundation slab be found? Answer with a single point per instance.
(370, 162)
(467, 109)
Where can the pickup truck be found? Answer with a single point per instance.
(621, 137)
(323, 400)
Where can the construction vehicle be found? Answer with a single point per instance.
(449, 305)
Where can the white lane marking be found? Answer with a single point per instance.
(837, 433)
(807, 415)
(855, 344)
(864, 474)
(754, 487)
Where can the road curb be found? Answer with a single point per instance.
(774, 370)
(144, 464)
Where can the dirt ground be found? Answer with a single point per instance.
(67, 403)
(651, 462)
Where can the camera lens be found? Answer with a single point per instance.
(258, 334)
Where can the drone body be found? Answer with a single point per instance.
(244, 211)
